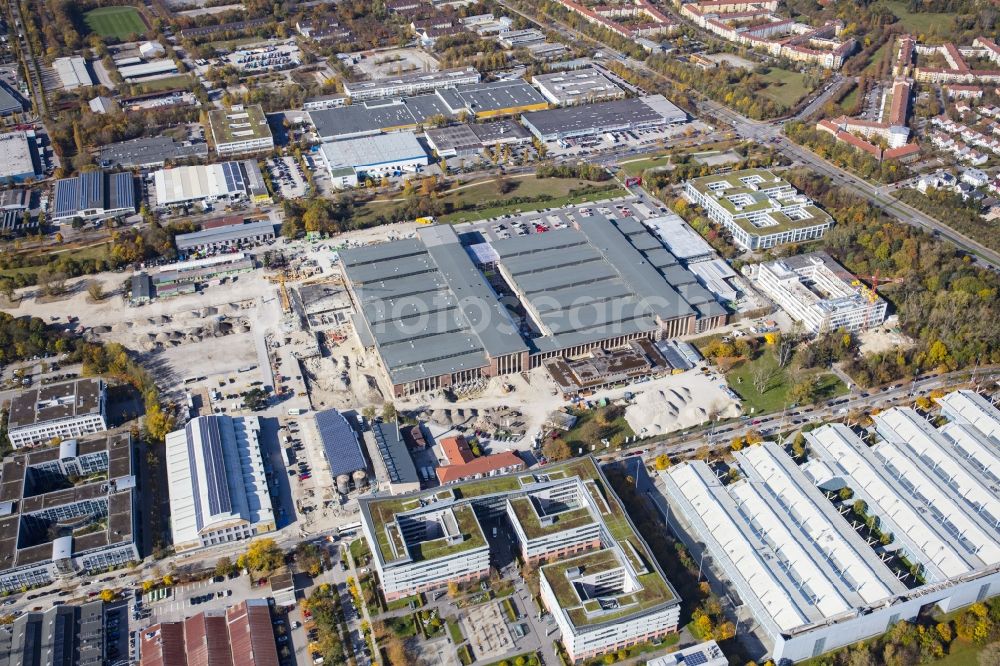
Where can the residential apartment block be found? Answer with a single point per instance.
(70, 409)
(759, 209)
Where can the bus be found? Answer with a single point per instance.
(349, 528)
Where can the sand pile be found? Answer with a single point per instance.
(685, 404)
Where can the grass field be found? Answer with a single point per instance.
(168, 83)
(636, 167)
(775, 395)
(919, 22)
(463, 200)
(784, 86)
(115, 22)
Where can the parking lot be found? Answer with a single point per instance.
(639, 138)
(287, 176)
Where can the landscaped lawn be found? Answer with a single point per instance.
(918, 22)
(784, 86)
(636, 167)
(455, 632)
(775, 395)
(115, 22)
(182, 81)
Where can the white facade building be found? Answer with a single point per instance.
(817, 291)
(71, 409)
(759, 209)
(354, 160)
(218, 482)
(240, 130)
(411, 84)
(810, 580)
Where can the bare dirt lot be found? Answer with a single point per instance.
(396, 61)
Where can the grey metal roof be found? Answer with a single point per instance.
(398, 463)
(426, 306)
(227, 234)
(498, 95)
(603, 116)
(9, 102)
(152, 150)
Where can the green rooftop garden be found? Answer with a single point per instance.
(532, 526)
(468, 526)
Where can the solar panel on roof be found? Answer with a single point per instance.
(340, 444)
(695, 659)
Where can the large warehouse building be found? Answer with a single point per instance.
(208, 183)
(577, 86)
(817, 291)
(218, 482)
(94, 195)
(598, 577)
(67, 510)
(601, 117)
(482, 100)
(371, 157)
(410, 84)
(812, 579)
(759, 209)
(435, 320)
(18, 157)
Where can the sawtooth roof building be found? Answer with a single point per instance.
(66, 635)
(814, 579)
(758, 208)
(598, 577)
(218, 482)
(241, 635)
(67, 510)
(435, 320)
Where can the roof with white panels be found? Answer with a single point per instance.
(775, 531)
(972, 408)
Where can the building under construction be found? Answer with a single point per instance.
(817, 291)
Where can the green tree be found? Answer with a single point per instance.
(223, 566)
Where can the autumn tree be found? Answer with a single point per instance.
(95, 290)
(556, 450)
(662, 462)
(223, 566)
(263, 555)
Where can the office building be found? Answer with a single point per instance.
(242, 635)
(759, 209)
(70, 409)
(563, 279)
(66, 635)
(18, 157)
(820, 293)
(149, 152)
(94, 195)
(240, 130)
(811, 575)
(578, 86)
(209, 183)
(602, 117)
(68, 510)
(218, 482)
(372, 157)
(408, 85)
(225, 239)
(598, 578)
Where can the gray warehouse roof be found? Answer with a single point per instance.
(398, 463)
(603, 116)
(606, 278)
(9, 102)
(227, 234)
(149, 151)
(427, 307)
